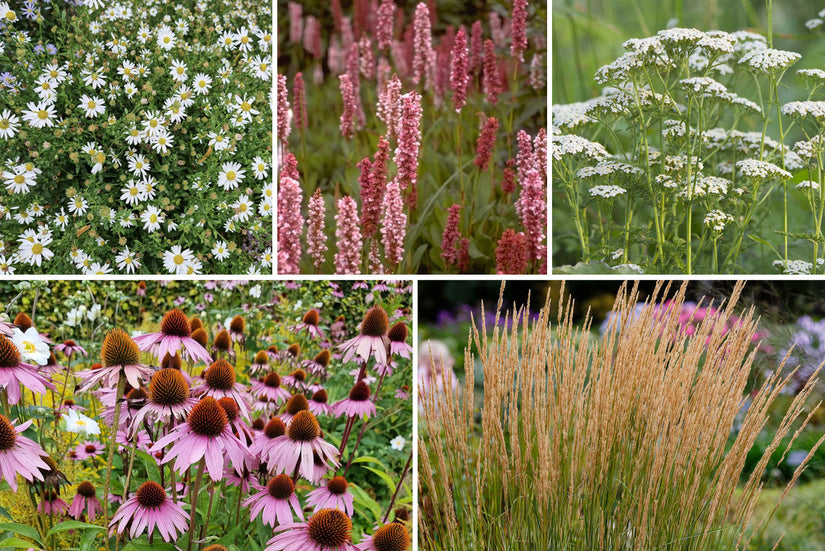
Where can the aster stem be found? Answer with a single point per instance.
(121, 387)
(193, 505)
(398, 487)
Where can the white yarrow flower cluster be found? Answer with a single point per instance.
(753, 168)
(607, 192)
(717, 220)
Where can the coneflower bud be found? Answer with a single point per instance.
(451, 236)
(512, 254)
(384, 23)
(290, 226)
(316, 237)
(23, 321)
(458, 75)
(296, 23)
(299, 106)
(518, 29)
(491, 80)
(394, 225)
(347, 125)
(486, 142)
(409, 141)
(422, 41)
(348, 235)
(283, 110)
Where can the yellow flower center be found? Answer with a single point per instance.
(243, 207)
(230, 175)
(4, 123)
(166, 40)
(100, 157)
(28, 347)
(263, 66)
(181, 70)
(19, 179)
(37, 248)
(133, 191)
(202, 83)
(246, 106)
(45, 86)
(10, 15)
(42, 114)
(29, 167)
(91, 105)
(178, 259)
(153, 219)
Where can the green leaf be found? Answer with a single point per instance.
(22, 529)
(384, 476)
(15, 543)
(73, 525)
(150, 464)
(145, 546)
(763, 242)
(87, 541)
(363, 502)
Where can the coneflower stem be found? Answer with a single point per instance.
(129, 472)
(205, 528)
(193, 505)
(358, 441)
(121, 387)
(398, 487)
(66, 382)
(345, 437)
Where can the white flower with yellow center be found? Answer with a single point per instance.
(80, 424)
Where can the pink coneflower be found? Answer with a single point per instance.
(296, 380)
(245, 479)
(347, 125)
(13, 373)
(348, 236)
(270, 388)
(206, 434)
(260, 363)
(51, 504)
(273, 353)
(451, 237)
(264, 440)
(518, 29)
(69, 348)
(141, 289)
(486, 142)
(220, 381)
(236, 330)
(316, 237)
(148, 510)
(402, 393)
(318, 365)
(385, 21)
(389, 106)
(119, 354)
(335, 495)
(458, 74)
(290, 225)
(327, 530)
(238, 426)
(318, 403)
(284, 116)
(338, 329)
(85, 501)
(512, 254)
(290, 452)
(390, 537)
(398, 340)
(299, 105)
(409, 141)
(357, 404)
(277, 502)
(223, 344)
(394, 225)
(491, 80)
(89, 449)
(168, 398)
(422, 41)
(371, 340)
(175, 333)
(18, 454)
(310, 323)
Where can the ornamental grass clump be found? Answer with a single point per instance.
(624, 441)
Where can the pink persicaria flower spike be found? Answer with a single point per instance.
(540, 153)
(309, 323)
(85, 501)
(532, 210)
(175, 333)
(277, 501)
(389, 106)
(398, 340)
(385, 23)
(358, 403)
(348, 93)
(459, 79)
(290, 225)
(348, 235)
(18, 454)
(390, 537)
(260, 363)
(51, 504)
(270, 388)
(88, 449)
(284, 113)
(299, 101)
(319, 364)
(486, 143)
(451, 237)
(316, 237)
(168, 399)
(294, 449)
(150, 510)
(318, 403)
(206, 434)
(220, 381)
(69, 348)
(491, 79)
(393, 225)
(335, 495)
(13, 373)
(371, 340)
(373, 183)
(296, 22)
(525, 159)
(538, 77)
(366, 58)
(327, 530)
(512, 256)
(422, 41)
(518, 29)
(409, 142)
